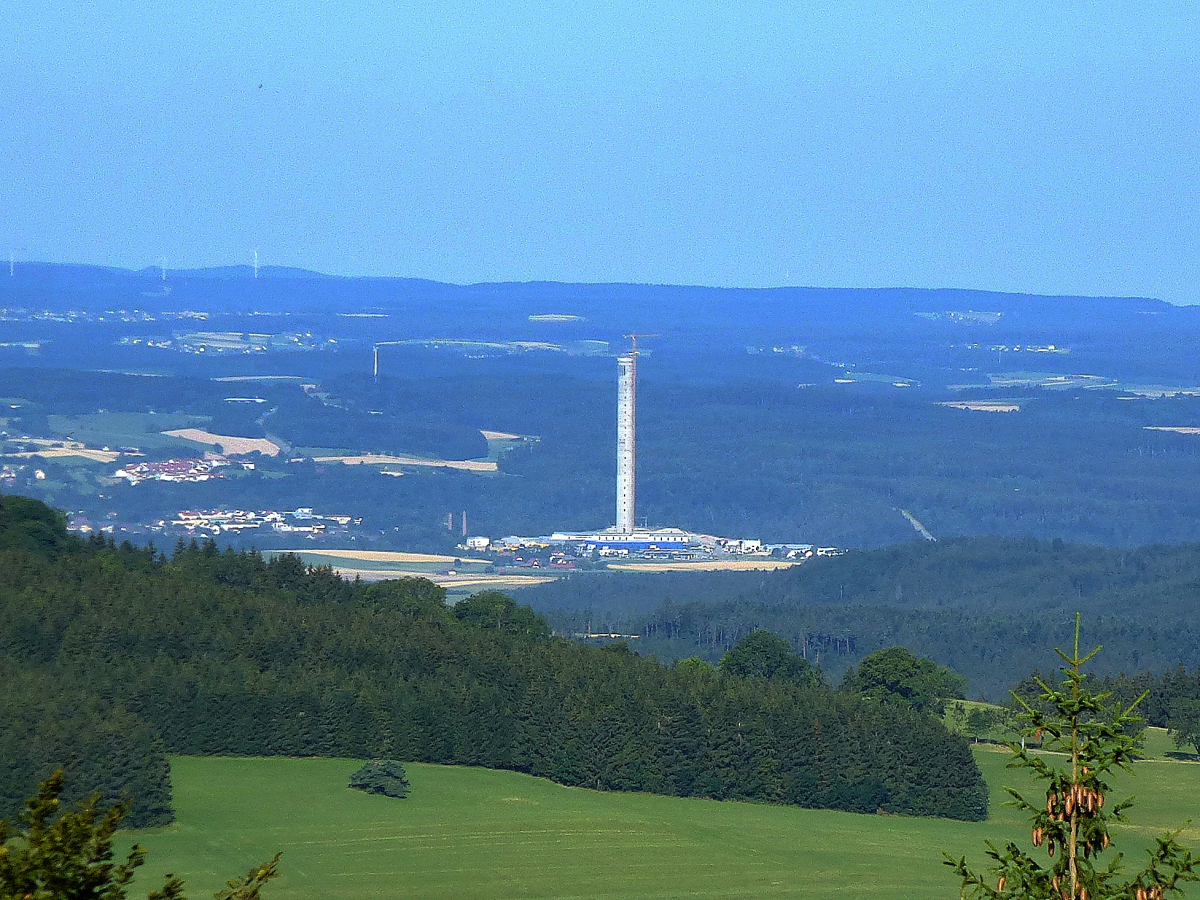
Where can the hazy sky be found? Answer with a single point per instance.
(1005, 145)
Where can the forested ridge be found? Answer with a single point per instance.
(989, 608)
(120, 654)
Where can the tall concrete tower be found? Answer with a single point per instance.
(626, 438)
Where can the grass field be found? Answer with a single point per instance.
(473, 833)
(112, 429)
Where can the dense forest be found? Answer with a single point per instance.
(991, 609)
(116, 655)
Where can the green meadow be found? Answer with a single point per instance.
(467, 833)
(120, 429)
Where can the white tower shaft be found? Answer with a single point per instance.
(626, 437)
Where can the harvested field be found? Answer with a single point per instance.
(466, 580)
(103, 456)
(377, 459)
(386, 556)
(259, 378)
(982, 405)
(380, 565)
(52, 448)
(232, 446)
(711, 565)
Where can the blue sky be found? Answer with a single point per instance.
(947, 143)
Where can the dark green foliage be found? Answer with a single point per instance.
(99, 744)
(382, 776)
(1185, 723)
(491, 609)
(895, 675)
(988, 608)
(761, 654)
(1089, 740)
(57, 854)
(29, 525)
(222, 652)
(1170, 700)
(404, 429)
(92, 735)
(248, 886)
(987, 724)
(68, 855)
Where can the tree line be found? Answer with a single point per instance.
(135, 654)
(986, 607)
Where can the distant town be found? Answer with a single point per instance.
(212, 522)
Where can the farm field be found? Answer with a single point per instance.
(705, 565)
(388, 556)
(230, 444)
(67, 450)
(475, 833)
(464, 581)
(1178, 429)
(116, 429)
(379, 459)
(983, 405)
(377, 565)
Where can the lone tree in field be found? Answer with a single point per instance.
(1084, 741)
(382, 776)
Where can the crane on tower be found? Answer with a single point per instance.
(633, 339)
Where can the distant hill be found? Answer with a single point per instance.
(915, 333)
(785, 414)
